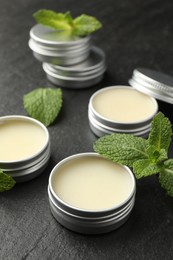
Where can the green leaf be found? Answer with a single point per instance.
(85, 24)
(156, 156)
(161, 132)
(58, 21)
(43, 104)
(122, 148)
(144, 167)
(166, 177)
(6, 181)
(80, 26)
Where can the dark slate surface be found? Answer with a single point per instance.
(135, 33)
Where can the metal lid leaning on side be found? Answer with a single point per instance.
(156, 84)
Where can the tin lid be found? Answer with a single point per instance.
(156, 84)
(50, 37)
(95, 60)
(93, 65)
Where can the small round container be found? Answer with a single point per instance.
(56, 47)
(121, 109)
(82, 75)
(25, 147)
(90, 194)
(153, 83)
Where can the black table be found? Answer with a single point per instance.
(135, 33)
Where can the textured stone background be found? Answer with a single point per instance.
(135, 33)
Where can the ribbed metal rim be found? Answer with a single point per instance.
(142, 82)
(27, 160)
(119, 124)
(82, 212)
(34, 36)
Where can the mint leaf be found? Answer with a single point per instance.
(43, 104)
(6, 181)
(166, 177)
(156, 156)
(85, 24)
(122, 148)
(58, 21)
(144, 167)
(161, 132)
(80, 26)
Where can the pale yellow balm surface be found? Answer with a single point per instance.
(20, 139)
(125, 105)
(92, 183)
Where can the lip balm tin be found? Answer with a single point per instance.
(90, 221)
(84, 74)
(101, 125)
(28, 167)
(53, 46)
(156, 84)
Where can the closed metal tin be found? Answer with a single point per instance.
(49, 37)
(54, 47)
(30, 166)
(59, 57)
(101, 125)
(89, 221)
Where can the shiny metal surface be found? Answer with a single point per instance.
(49, 37)
(32, 166)
(89, 221)
(156, 84)
(107, 126)
(59, 57)
(94, 62)
(74, 82)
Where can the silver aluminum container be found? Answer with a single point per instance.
(73, 82)
(82, 75)
(92, 65)
(153, 83)
(101, 130)
(49, 37)
(52, 46)
(31, 166)
(101, 125)
(59, 57)
(89, 221)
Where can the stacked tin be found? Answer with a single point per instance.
(69, 61)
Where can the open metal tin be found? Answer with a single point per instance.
(105, 111)
(27, 147)
(87, 219)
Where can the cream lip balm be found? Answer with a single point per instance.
(90, 194)
(124, 104)
(92, 183)
(25, 147)
(20, 139)
(121, 109)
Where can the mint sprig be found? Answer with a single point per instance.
(81, 26)
(145, 156)
(6, 181)
(43, 104)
